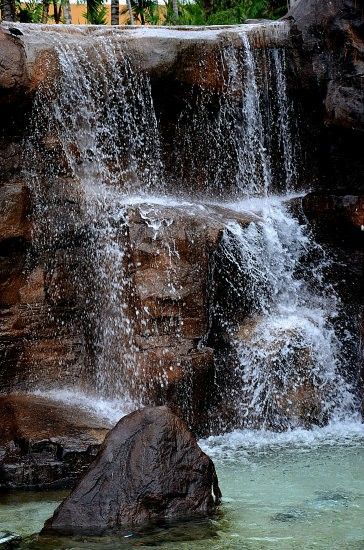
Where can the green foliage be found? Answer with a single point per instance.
(233, 16)
(144, 11)
(96, 13)
(225, 12)
(152, 14)
(29, 12)
(191, 13)
(170, 17)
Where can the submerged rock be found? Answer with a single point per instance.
(149, 468)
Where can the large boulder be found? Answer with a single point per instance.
(149, 468)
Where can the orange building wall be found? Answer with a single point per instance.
(77, 11)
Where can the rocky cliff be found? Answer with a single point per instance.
(59, 244)
(328, 39)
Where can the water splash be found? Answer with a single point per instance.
(239, 445)
(109, 411)
(294, 354)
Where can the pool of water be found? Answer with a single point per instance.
(303, 490)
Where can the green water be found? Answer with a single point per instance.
(284, 494)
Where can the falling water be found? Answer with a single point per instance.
(292, 350)
(100, 123)
(98, 120)
(254, 153)
(237, 141)
(288, 145)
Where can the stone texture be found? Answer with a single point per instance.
(13, 74)
(329, 51)
(171, 266)
(338, 222)
(149, 468)
(45, 444)
(14, 210)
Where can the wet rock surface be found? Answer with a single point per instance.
(329, 41)
(338, 222)
(47, 325)
(171, 267)
(45, 444)
(149, 468)
(13, 73)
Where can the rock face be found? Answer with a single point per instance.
(44, 444)
(52, 297)
(149, 468)
(171, 268)
(338, 221)
(329, 42)
(49, 318)
(13, 74)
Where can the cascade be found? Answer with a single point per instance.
(287, 343)
(100, 122)
(293, 346)
(248, 126)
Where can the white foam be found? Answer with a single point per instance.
(237, 444)
(276, 31)
(108, 410)
(246, 205)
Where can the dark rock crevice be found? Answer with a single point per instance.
(329, 64)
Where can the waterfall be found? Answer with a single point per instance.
(238, 141)
(293, 350)
(98, 121)
(97, 138)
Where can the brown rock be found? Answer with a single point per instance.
(44, 443)
(14, 206)
(12, 62)
(33, 290)
(171, 251)
(149, 468)
(179, 375)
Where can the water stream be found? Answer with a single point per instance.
(293, 350)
